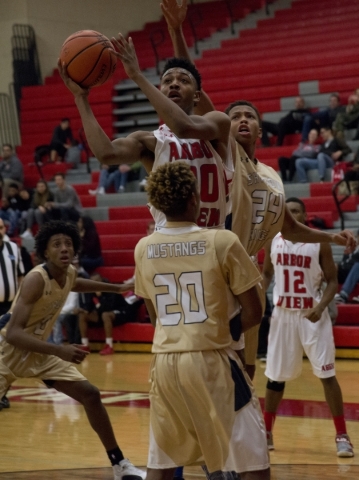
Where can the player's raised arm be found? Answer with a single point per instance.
(180, 91)
(175, 15)
(84, 285)
(135, 147)
(296, 232)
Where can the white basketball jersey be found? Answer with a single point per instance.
(212, 175)
(298, 274)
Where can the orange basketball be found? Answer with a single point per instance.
(89, 57)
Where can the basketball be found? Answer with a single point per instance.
(89, 57)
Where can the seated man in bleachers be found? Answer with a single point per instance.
(324, 117)
(332, 150)
(305, 149)
(66, 204)
(349, 118)
(291, 123)
(61, 140)
(116, 175)
(11, 169)
(109, 308)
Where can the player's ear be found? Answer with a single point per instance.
(260, 132)
(196, 98)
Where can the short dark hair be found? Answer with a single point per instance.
(14, 185)
(336, 95)
(59, 174)
(56, 227)
(65, 119)
(8, 145)
(176, 62)
(248, 104)
(296, 200)
(326, 127)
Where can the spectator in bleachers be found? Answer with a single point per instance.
(90, 254)
(19, 202)
(307, 149)
(8, 214)
(349, 118)
(348, 275)
(61, 140)
(331, 151)
(11, 169)
(352, 175)
(291, 123)
(109, 308)
(73, 154)
(66, 204)
(38, 213)
(116, 175)
(324, 117)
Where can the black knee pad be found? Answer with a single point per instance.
(275, 386)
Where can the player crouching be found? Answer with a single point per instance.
(24, 351)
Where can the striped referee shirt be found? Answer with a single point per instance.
(11, 267)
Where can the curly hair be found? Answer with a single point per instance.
(246, 103)
(56, 227)
(170, 187)
(187, 65)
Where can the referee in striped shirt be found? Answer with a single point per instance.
(11, 275)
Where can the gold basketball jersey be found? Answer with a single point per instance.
(48, 307)
(192, 275)
(257, 202)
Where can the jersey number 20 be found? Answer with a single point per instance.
(181, 298)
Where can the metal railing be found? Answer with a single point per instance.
(157, 37)
(9, 123)
(86, 148)
(26, 64)
(339, 201)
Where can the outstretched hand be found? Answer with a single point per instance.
(74, 87)
(125, 51)
(125, 287)
(174, 13)
(345, 238)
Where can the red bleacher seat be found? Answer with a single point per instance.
(116, 274)
(129, 332)
(348, 315)
(346, 336)
(118, 258)
(120, 242)
(127, 213)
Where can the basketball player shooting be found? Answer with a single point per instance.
(24, 352)
(202, 141)
(203, 409)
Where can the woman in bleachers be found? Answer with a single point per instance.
(38, 213)
(90, 254)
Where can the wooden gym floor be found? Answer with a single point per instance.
(46, 435)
